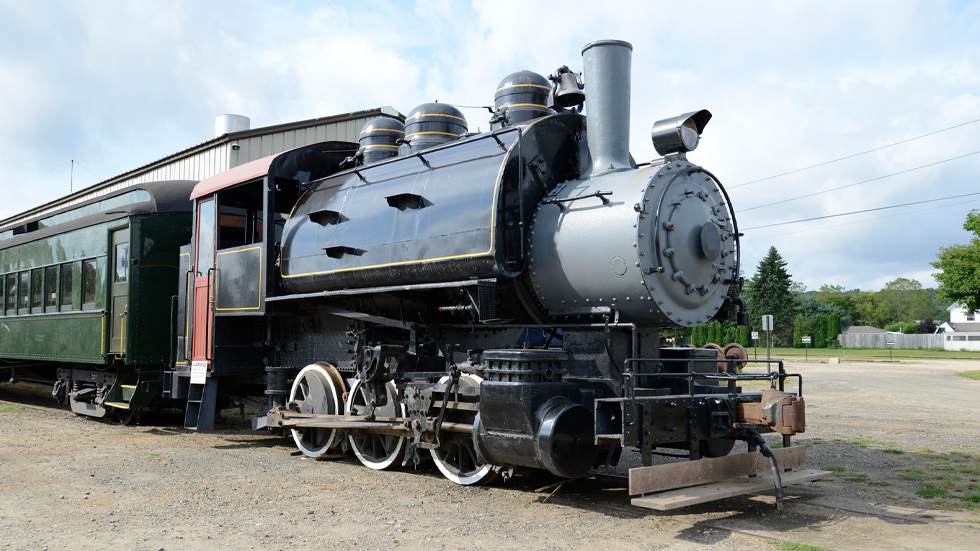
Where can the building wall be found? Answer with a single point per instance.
(961, 341)
(959, 314)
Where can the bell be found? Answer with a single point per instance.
(567, 91)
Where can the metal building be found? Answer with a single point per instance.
(234, 144)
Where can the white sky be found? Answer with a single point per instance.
(115, 85)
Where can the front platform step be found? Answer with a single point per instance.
(686, 483)
(694, 495)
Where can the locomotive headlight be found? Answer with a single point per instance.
(679, 134)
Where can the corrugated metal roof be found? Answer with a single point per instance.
(82, 194)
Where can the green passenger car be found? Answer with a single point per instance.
(87, 295)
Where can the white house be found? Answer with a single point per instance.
(962, 331)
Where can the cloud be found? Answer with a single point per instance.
(115, 86)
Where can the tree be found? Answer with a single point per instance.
(959, 279)
(904, 300)
(834, 329)
(843, 301)
(926, 327)
(769, 293)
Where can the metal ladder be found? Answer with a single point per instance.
(201, 399)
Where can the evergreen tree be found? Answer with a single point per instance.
(833, 331)
(820, 332)
(769, 293)
(697, 336)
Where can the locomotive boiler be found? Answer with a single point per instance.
(487, 300)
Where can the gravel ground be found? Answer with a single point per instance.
(74, 482)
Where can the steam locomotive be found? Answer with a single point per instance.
(487, 300)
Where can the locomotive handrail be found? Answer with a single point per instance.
(208, 341)
(491, 135)
(172, 344)
(731, 211)
(732, 376)
(558, 202)
(385, 289)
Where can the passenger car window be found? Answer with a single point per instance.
(24, 289)
(67, 283)
(37, 287)
(120, 273)
(11, 293)
(88, 281)
(51, 286)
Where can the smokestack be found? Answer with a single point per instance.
(226, 124)
(606, 67)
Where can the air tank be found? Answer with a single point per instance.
(520, 97)
(379, 139)
(432, 124)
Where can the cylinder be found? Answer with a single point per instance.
(558, 435)
(379, 139)
(432, 124)
(607, 89)
(226, 124)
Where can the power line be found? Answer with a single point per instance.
(821, 228)
(861, 211)
(859, 183)
(852, 156)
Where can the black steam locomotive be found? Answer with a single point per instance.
(491, 300)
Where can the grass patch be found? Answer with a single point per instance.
(833, 468)
(864, 442)
(153, 457)
(913, 473)
(965, 455)
(965, 468)
(931, 493)
(975, 375)
(927, 516)
(794, 546)
(7, 408)
(892, 450)
(853, 477)
(931, 456)
(974, 497)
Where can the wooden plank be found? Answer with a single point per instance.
(645, 480)
(684, 497)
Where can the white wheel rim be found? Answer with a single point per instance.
(393, 456)
(314, 373)
(447, 470)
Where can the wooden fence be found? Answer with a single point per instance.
(880, 340)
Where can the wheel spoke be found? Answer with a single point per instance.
(376, 451)
(315, 391)
(457, 459)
